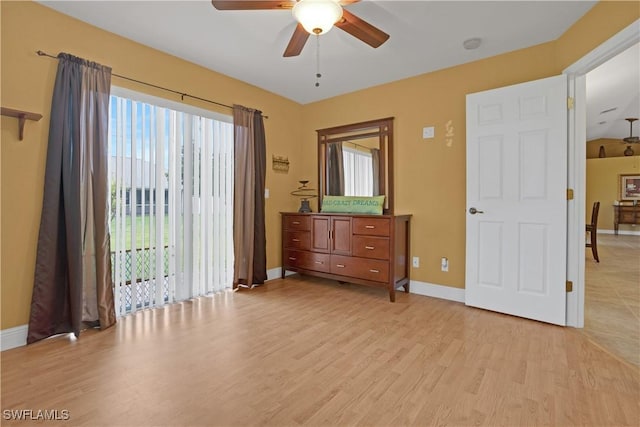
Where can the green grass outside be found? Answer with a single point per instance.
(145, 225)
(145, 234)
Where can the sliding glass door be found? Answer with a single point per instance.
(171, 178)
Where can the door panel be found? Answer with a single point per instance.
(516, 179)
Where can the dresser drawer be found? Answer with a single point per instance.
(371, 247)
(371, 226)
(297, 222)
(297, 239)
(362, 268)
(307, 260)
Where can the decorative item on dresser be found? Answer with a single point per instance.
(363, 249)
(305, 193)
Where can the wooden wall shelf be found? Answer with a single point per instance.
(22, 117)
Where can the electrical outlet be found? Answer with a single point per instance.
(416, 262)
(444, 264)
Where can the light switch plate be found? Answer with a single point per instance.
(428, 132)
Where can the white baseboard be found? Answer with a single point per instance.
(13, 337)
(276, 273)
(622, 232)
(437, 291)
(419, 288)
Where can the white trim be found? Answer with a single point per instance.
(437, 291)
(13, 337)
(576, 179)
(276, 273)
(621, 232)
(418, 288)
(621, 41)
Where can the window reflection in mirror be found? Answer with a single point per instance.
(358, 169)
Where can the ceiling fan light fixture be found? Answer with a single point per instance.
(631, 139)
(317, 16)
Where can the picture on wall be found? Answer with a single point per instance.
(629, 187)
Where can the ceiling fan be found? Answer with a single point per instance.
(314, 17)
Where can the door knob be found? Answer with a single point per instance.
(474, 211)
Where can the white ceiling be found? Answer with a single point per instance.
(613, 94)
(425, 36)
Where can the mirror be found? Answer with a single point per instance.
(356, 160)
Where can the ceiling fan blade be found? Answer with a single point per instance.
(298, 39)
(361, 29)
(252, 4)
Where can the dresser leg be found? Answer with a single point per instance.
(392, 295)
(406, 287)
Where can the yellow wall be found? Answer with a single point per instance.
(27, 83)
(430, 175)
(612, 148)
(603, 186)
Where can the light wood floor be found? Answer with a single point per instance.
(318, 353)
(612, 296)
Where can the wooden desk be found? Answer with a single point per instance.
(625, 215)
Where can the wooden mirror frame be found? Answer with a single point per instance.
(381, 128)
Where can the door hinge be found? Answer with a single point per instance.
(569, 193)
(569, 285)
(570, 103)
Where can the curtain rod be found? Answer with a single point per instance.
(182, 94)
(358, 145)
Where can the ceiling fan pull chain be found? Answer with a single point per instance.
(318, 75)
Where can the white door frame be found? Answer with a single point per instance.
(576, 178)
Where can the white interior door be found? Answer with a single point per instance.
(516, 200)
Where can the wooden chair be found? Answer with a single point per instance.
(592, 229)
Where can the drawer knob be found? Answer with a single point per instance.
(296, 223)
(370, 247)
(374, 271)
(292, 258)
(340, 265)
(295, 240)
(319, 262)
(369, 226)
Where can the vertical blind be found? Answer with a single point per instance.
(171, 177)
(358, 172)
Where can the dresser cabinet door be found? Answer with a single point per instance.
(341, 235)
(320, 226)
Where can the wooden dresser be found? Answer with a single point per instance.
(625, 214)
(364, 249)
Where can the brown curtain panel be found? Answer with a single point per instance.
(335, 169)
(249, 238)
(73, 288)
